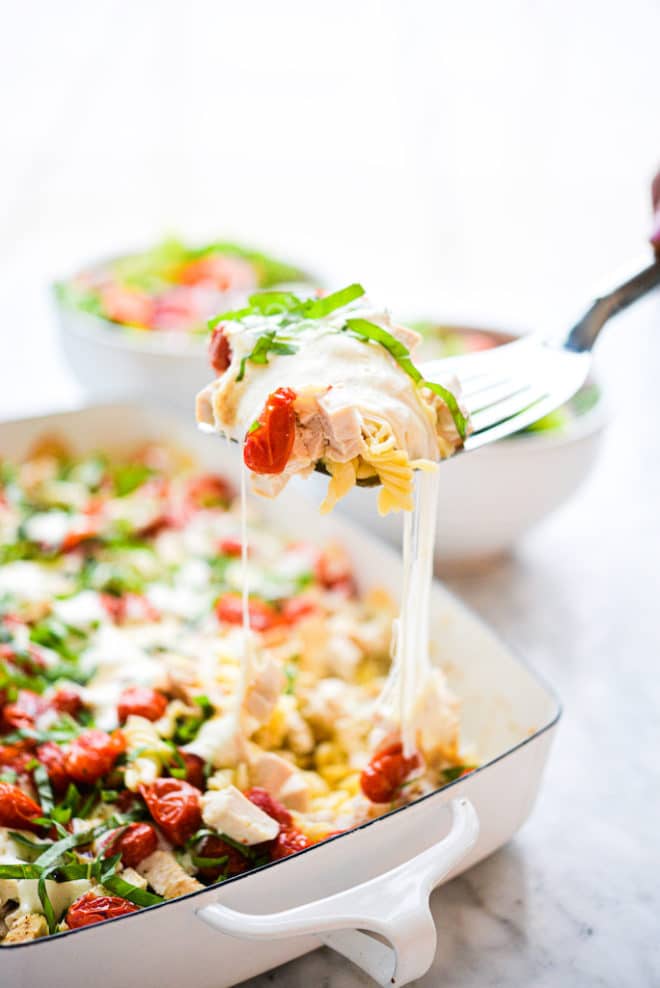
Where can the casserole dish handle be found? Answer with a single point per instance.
(395, 906)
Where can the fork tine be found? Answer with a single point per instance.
(498, 392)
(552, 375)
(501, 411)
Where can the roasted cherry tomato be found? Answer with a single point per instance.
(194, 766)
(333, 571)
(208, 491)
(24, 711)
(135, 843)
(141, 701)
(128, 607)
(54, 759)
(92, 754)
(382, 777)
(229, 608)
(16, 756)
(67, 702)
(91, 908)
(215, 847)
(224, 272)
(219, 351)
(263, 799)
(174, 805)
(230, 547)
(268, 446)
(297, 608)
(131, 308)
(77, 536)
(288, 841)
(16, 809)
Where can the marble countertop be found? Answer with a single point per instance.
(574, 899)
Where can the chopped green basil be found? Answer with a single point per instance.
(44, 790)
(371, 332)
(140, 897)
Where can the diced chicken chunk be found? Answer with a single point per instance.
(264, 690)
(282, 780)
(30, 926)
(166, 876)
(342, 424)
(230, 812)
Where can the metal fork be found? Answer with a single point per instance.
(511, 386)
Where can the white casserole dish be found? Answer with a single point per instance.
(362, 880)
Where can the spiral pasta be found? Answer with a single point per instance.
(146, 752)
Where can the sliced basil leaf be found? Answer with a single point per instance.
(124, 889)
(451, 403)
(46, 904)
(33, 846)
(202, 862)
(20, 871)
(320, 307)
(370, 331)
(55, 851)
(44, 790)
(267, 343)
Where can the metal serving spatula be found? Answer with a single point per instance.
(511, 386)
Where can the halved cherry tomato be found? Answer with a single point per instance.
(229, 608)
(219, 351)
(91, 908)
(135, 843)
(54, 759)
(17, 755)
(131, 308)
(216, 847)
(66, 701)
(224, 272)
(297, 608)
(230, 547)
(24, 710)
(263, 799)
(288, 841)
(267, 448)
(16, 809)
(130, 606)
(333, 570)
(92, 754)
(77, 536)
(382, 777)
(174, 805)
(208, 491)
(141, 701)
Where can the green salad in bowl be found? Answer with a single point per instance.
(440, 340)
(173, 287)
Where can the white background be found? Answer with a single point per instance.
(484, 159)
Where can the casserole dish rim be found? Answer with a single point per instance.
(347, 526)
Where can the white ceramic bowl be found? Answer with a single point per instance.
(111, 362)
(490, 498)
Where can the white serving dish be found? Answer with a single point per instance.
(377, 877)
